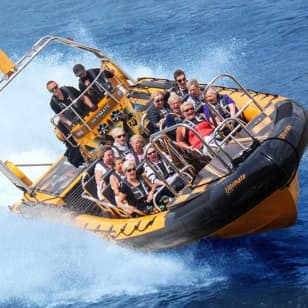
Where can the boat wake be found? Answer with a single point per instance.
(47, 262)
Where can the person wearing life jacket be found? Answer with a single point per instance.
(195, 94)
(120, 145)
(160, 166)
(163, 168)
(86, 77)
(104, 165)
(157, 111)
(137, 142)
(115, 179)
(175, 115)
(180, 79)
(136, 192)
(62, 97)
(218, 106)
(185, 138)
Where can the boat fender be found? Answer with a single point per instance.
(292, 164)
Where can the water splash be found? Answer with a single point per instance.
(46, 262)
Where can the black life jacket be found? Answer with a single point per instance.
(140, 193)
(69, 96)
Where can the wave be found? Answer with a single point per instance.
(45, 262)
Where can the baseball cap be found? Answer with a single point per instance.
(78, 69)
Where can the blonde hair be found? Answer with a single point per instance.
(127, 164)
(156, 93)
(173, 96)
(116, 131)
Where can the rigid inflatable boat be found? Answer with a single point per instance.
(244, 184)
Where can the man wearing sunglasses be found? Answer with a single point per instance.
(62, 97)
(120, 145)
(180, 79)
(185, 138)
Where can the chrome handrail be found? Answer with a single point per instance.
(41, 44)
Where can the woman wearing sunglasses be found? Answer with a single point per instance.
(157, 111)
(135, 193)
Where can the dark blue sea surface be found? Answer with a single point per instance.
(263, 43)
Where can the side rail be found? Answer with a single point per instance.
(236, 134)
(207, 148)
(176, 173)
(78, 118)
(250, 100)
(89, 192)
(108, 90)
(39, 46)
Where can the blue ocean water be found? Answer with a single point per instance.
(263, 43)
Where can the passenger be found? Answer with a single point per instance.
(120, 144)
(157, 111)
(161, 166)
(135, 192)
(221, 103)
(137, 142)
(175, 115)
(62, 97)
(180, 88)
(102, 166)
(86, 77)
(195, 94)
(116, 177)
(187, 140)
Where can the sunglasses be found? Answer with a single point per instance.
(131, 169)
(150, 153)
(119, 136)
(159, 100)
(181, 80)
(54, 89)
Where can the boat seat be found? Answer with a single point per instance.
(89, 187)
(109, 194)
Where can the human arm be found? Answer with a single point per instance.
(98, 173)
(151, 176)
(114, 183)
(152, 189)
(232, 109)
(125, 194)
(154, 117)
(56, 107)
(88, 102)
(180, 139)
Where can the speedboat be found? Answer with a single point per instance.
(244, 184)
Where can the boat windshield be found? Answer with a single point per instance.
(58, 178)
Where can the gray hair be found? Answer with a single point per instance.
(211, 90)
(192, 82)
(185, 104)
(136, 138)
